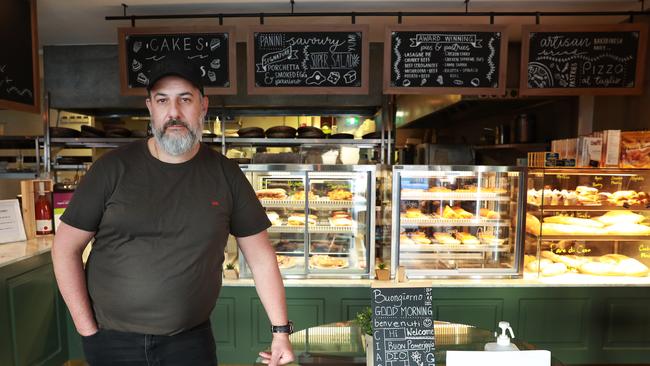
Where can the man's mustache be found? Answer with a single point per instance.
(175, 122)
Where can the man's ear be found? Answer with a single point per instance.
(148, 103)
(205, 104)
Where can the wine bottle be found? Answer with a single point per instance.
(43, 212)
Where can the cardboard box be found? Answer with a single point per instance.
(635, 149)
(29, 192)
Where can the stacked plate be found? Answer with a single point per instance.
(310, 132)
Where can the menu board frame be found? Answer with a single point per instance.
(127, 31)
(503, 59)
(628, 27)
(35, 107)
(360, 90)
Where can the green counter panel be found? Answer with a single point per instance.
(32, 325)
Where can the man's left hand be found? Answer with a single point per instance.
(281, 352)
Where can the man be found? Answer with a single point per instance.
(160, 211)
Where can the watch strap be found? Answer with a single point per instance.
(287, 328)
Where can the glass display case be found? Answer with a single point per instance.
(322, 215)
(458, 221)
(586, 221)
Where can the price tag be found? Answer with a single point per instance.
(637, 178)
(562, 176)
(644, 250)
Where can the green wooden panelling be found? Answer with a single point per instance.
(481, 313)
(628, 324)
(350, 307)
(554, 322)
(223, 323)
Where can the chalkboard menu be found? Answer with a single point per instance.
(402, 323)
(574, 60)
(445, 59)
(19, 80)
(308, 60)
(209, 49)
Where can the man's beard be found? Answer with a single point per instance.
(176, 144)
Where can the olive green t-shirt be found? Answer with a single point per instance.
(161, 230)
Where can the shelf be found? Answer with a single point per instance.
(588, 208)
(315, 229)
(93, 141)
(436, 247)
(314, 204)
(18, 175)
(525, 147)
(430, 222)
(69, 167)
(597, 237)
(453, 196)
(235, 141)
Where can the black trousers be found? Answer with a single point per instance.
(194, 347)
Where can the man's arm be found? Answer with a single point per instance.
(268, 282)
(67, 249)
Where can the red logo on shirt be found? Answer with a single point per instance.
(214, 203)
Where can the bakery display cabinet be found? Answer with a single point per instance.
(458, 221)
(588, 221)
(322, 217)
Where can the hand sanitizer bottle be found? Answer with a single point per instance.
(503, 341)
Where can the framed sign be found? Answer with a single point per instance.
(402, 326)
(209, 49)
(19, 78)
(427, 59)
(11, 222)
(579, 60)
(308, 60)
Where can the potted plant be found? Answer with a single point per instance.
(382, 273)
(230, 272)
(364, 322)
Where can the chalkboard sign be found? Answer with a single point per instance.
(579, 60)
(402, 323)
(445, 59)
(19, 80)
(209, 49)
(308, 60)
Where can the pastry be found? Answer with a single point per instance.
(576, 221)
(445, 238)
(562, 229)
(341, 221)
(533, 226)
(327, 262)
(439, 189)
(285, 261)
(449, 213)
(300, 195)
(554, 269)
(339, 195)
(489, 238)
(405, 240)
(619, 217)
(299, 220)
(413, 213)
(489, 214)
(536, 265)
(462, 214)
(467, 238)
(271, 194)
(628, 229)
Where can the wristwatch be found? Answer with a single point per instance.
(287, 328)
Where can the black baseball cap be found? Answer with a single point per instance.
(175, 65)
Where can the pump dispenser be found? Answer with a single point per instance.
(503, 341)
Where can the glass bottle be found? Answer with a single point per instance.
(43, 212)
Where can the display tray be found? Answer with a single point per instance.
(324, 203)
(458, 196)
(315, 229)
(597, 237)
(588, 207)
(437, 247)
(425, 222)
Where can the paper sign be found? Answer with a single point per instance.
(499, 358)
(11, 222)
